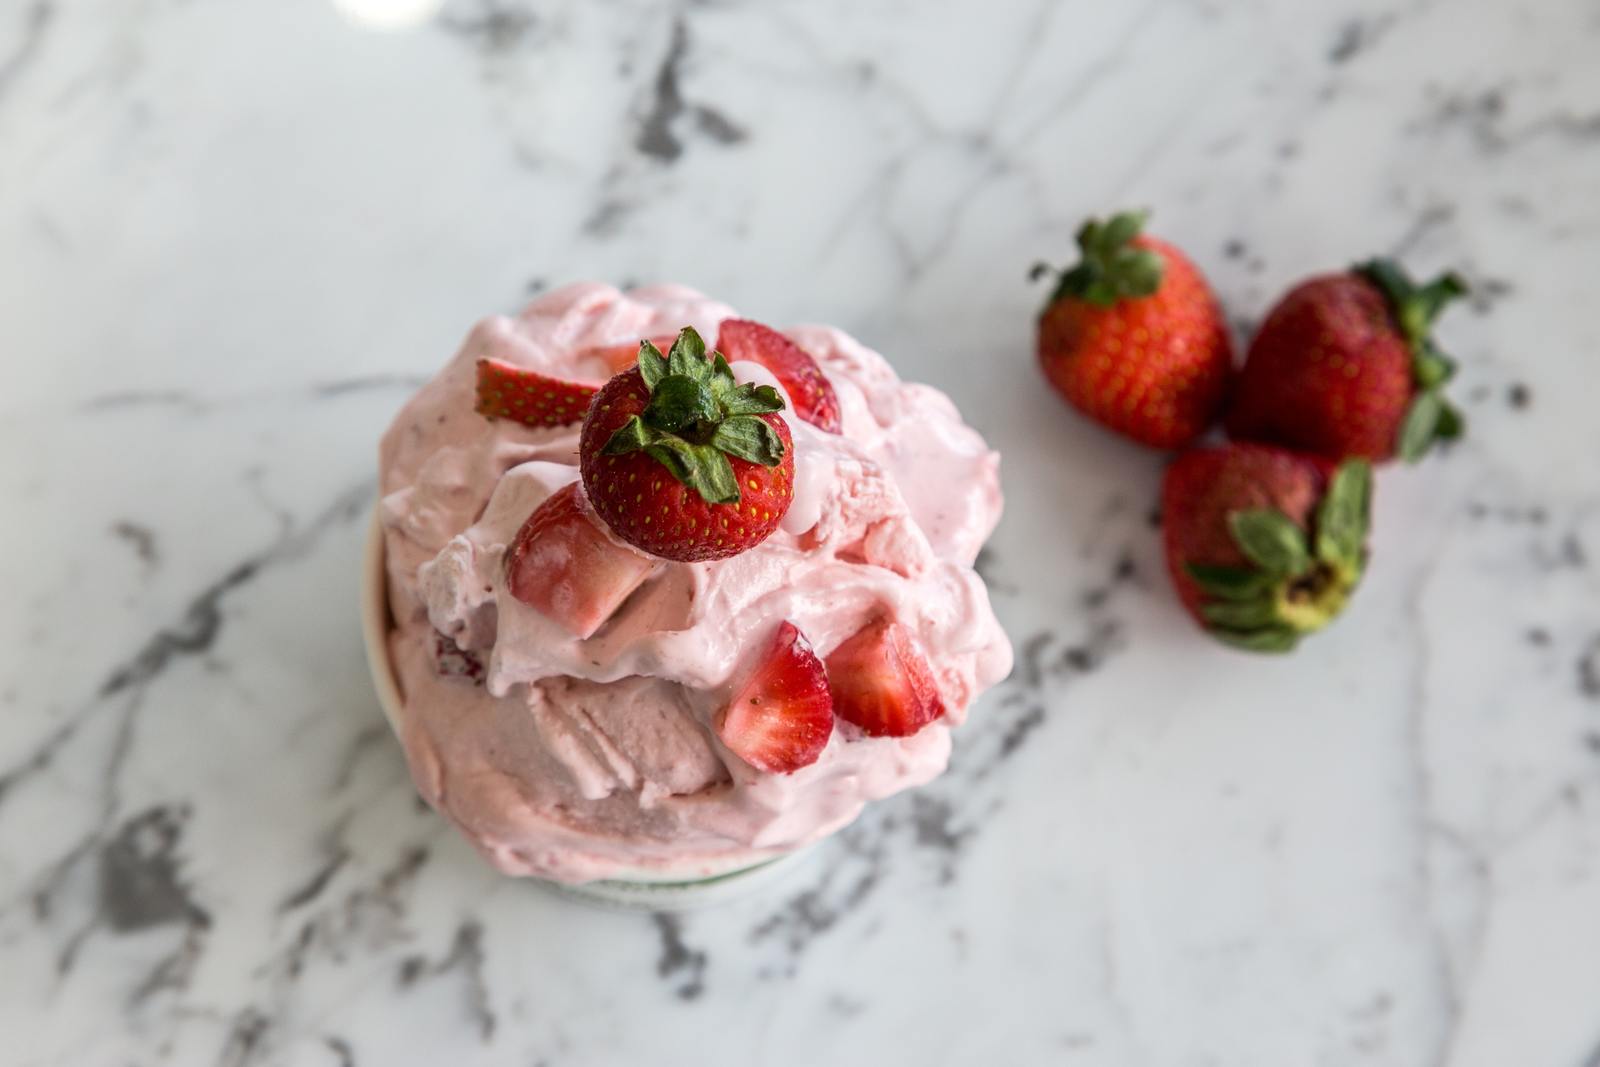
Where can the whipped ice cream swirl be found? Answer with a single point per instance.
(578, 759)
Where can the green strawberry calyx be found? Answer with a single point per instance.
(1112, 267)
(1292, 585)
(698, 416)
(1431, 418)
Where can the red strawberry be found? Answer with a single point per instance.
(812, 393)
(882, 682)
(682, 461)
(564, 565)
(1343, 366)
(1264, 545)
(1133, 337)
(782, 716)
(453, 661)
(507, 391)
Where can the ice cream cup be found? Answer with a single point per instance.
(649, 890)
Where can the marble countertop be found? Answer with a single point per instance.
(238, 234)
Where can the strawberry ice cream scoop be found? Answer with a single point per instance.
(583, 709)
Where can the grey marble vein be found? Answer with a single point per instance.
(202, 621)
(36, 21)
(494, 26)
(466, 956)
(679, 964)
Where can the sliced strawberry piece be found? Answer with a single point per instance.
(507, 391)
(453, 661)
(882, 682)
(812, 393)
(562, 564)
(781, 718)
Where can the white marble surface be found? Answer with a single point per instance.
(237, 233)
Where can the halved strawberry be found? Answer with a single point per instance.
(562, 564)
(812, 393)
(507, 391)
(882, 682)
(782, 716)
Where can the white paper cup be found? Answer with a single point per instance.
(654, 890)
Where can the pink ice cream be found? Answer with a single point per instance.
(582, 759)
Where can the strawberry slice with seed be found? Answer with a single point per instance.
(780, 719)
(881, 682)
(564, 566)
(507, 391)
(812, 393)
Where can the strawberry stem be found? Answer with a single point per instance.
(1289, 588)
(698, 416)
(1111, 267)
(1431, 417)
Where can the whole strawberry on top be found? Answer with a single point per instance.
(1264, 545)
(1133, 337)
(1343, 366)
(681, 460)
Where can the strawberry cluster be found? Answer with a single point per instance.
(1265, 537)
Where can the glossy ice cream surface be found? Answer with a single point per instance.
(575, 760)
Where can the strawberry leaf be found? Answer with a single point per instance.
(1229, 583)
(1397, 288)
(1241, 614)
(1111, 268)
(1421, 426)
(1136, 272)
(1266, 639)
(1271, 540)
(1452, 424)
(702, 468)
(688, 354)
(652, 365)
(697, 416)
(1342, 517)
(721, 382)
(678, 402)
(1431, 367)
(751, 399)
(631, 436)
(1415, 308)
(1437, 294)
(1122, 228)
(750, 439)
